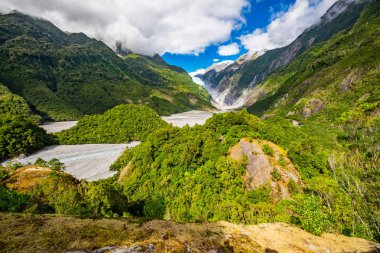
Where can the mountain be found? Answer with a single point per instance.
(330, 78)
(65, 76)
(235, 82)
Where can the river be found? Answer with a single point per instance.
(92, 161)
(190, 118)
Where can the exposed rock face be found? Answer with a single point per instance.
(91, 235)
(312, 107)
(296, 123)
(348, 81)
(267, 164)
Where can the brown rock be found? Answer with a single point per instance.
(312, 107)
(261, 166)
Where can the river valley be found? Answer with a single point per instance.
(92, 161)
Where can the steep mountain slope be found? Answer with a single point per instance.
(12, 105)
(65, 76)
(233, 81)
(331, 95)
(330, 78)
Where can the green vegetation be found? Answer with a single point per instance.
(333, 90)
(20, 136)
(66, 76)
(11, 201)
(186, 174)
(12, 105)
(19, 133)
(46, 189)
(122, 124)
(189, 174)
(53, 164)
(267, 150)
(276, 175)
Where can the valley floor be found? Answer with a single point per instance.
(92, 161)
(190, 118)
(86, 161)
(43, 233)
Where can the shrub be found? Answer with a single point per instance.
(268, 150)
(276, 175)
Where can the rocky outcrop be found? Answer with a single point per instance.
(345, 85)
(267, 164)
(25, 179)
(312, 107)
(47, 233)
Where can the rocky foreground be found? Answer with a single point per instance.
(33, 233)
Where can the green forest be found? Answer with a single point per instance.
(19, 133)
(186, 175)
(121, 124)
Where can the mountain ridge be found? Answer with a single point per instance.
(67, 75)
(234, 81)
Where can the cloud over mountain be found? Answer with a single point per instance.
(144, 26)
(227, 50)
(286, 25)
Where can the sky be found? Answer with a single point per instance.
(258, 16)
(191, 34)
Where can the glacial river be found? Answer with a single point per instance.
(190, 118)
(92, 161)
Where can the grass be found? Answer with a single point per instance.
(52, 233)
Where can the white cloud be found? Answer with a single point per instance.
(287, 25)
(215, 60)
(195, 78)
(227, 50)
(218, 66)
(144, 26)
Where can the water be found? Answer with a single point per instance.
(87, 161)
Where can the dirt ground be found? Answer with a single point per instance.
(42, 233)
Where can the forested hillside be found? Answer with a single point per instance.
(121, 124)
(65, 76)
(19, 133)
(330, 96)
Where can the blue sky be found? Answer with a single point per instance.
(259, 16)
